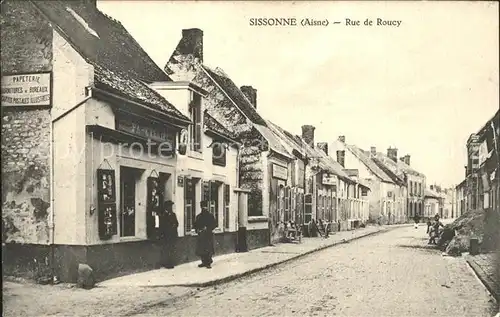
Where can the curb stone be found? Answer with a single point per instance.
(485, 280)
(265, 267)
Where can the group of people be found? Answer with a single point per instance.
(433, 226)
(204, 225)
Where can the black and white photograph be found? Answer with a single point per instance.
(250, 158)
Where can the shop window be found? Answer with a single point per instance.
(219, 154)
(195, 127)
(190, 202)
(128, 182)
(308, 208)
(227, 205)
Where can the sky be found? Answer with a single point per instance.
(422, 87)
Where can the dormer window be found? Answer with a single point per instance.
(195, 128)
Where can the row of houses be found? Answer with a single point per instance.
(480, 189)
(95, 137)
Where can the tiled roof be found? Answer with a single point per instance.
(369, 163)
(236, 95)
(399, 167)
(398, 180)
(287, 137)
(272, 140)
(114, 48)
(120, 64)
(324, 161)
(214, 125)
(133, 89)
(431, 193)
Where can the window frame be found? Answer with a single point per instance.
(195, 114)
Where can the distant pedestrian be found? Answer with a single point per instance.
(417, 220)
(204, 225)
(168, 235)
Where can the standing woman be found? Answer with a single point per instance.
(168, 234)
(204, 224)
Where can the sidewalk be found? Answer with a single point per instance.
(486, 268)
(231, 266)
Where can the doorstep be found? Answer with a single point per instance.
(234, 265)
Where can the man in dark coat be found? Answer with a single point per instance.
(204, 224)
(168, 235)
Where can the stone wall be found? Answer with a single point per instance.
(25, 131)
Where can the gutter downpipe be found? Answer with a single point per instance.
(52, 181)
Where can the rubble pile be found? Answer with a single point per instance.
(469, 225)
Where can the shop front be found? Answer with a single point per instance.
(280, 210)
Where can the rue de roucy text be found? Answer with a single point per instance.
(306, 22)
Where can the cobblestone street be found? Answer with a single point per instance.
(391, 274)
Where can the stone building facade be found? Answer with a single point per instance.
(85, 174)
(263, 161)
(387, 194)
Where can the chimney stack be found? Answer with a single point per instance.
(406, 159)
(323, 146)
(373, 150)
(342, 138)
(308, 134)
(392, 153)
(191, 43)
(189, 52)
(251, 94)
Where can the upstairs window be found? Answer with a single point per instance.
(195, 127)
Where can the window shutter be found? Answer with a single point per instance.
(308, 208)
(226, 205)
(293, 208)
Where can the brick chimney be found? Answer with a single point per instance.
(392, 153)
(342, 138)
(189, 51)
(308, 134)
(373, 150)
(406, 159)
(323, 146)
(251, 94)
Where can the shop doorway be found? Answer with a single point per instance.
(128, 186)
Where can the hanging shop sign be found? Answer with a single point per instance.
(280, 172)
(106, 193)
(33, 89)
(329, 179)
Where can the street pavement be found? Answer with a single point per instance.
(389, 274)
(233, 265)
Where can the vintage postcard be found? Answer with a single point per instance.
(250, 158)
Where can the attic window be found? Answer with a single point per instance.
(82, 22)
